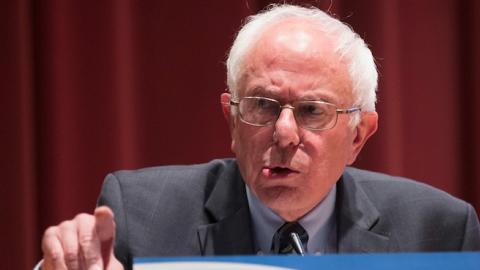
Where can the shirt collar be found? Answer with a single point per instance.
(319, 224)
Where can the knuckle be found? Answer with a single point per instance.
(91, 257)
(89, 246)
(71, 258)
(65, 224)
(84, 216)
(86, 240)
(54, 255)
(48, 235)
(52, 230)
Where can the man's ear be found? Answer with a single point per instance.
(367, 127)
(226, 108)
(225, 102)
(227, 114)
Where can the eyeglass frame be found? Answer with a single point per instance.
(288, 106)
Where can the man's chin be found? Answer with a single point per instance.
(281, 200)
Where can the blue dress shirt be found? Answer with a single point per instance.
(320, 224)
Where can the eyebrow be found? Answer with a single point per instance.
(259, 91)
(316, 95)
(311, 95)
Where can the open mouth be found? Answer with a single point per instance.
(277, 171)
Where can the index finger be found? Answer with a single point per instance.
(105, 227)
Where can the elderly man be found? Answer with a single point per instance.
(301, 107)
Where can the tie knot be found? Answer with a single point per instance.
(283, 241)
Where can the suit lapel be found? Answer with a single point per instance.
(359, 222)
(230, 230)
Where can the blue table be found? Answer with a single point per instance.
(410, 261)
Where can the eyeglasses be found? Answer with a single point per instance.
(313, 115)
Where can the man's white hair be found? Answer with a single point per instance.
(347, 44)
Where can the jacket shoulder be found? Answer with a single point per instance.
(211, 168)
(416, 215)
(175, 180)
(394, 190)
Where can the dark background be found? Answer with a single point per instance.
(88, 87)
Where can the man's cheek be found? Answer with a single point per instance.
(238, 141)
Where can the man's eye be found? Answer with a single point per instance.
(261, 103)
(264, 104)
(312, 110)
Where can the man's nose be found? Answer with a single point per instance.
(286, 129)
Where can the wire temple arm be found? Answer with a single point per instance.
(349, 110)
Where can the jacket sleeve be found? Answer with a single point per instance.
(471, 240)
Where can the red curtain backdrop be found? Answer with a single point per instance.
(88, 87)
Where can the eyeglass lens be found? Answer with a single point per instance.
(309, 114)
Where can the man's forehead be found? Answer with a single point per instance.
(298, 42)
(296, 35)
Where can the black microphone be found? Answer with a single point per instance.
(297, 244)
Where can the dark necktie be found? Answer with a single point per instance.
(283, 241)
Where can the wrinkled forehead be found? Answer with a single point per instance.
(300, 37)
(301, 46)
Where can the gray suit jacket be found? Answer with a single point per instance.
(203, 210)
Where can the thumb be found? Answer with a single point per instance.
(105, 227)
